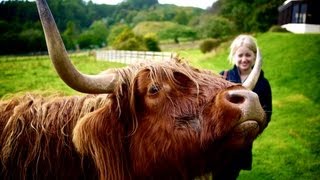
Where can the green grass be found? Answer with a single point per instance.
(290, 146)
(36, 74)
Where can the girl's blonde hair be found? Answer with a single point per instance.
(242, 40)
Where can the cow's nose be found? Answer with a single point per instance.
(240, 97)
(247, 101)
(236, 97)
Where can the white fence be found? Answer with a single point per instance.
(130, 57)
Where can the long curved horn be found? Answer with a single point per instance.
(94, 84)
(253, 77)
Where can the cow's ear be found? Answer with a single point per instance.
(95, 127)
(182, 80)
(100, 135)
(140, 82)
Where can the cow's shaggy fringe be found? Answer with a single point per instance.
(37, 131)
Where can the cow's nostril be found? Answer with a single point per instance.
(235, 98)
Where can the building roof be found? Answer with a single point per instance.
(287, 3)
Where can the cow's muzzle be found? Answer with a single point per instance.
(252, 120)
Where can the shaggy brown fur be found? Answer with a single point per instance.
(163, 121)
(36, 135)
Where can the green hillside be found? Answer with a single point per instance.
(290, 146)
(155, 27)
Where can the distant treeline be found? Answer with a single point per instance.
(86, 25)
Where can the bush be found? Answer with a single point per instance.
(127, 40)
(209, 44)
(277, 28)
(151, 42)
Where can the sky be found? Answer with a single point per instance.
(194, 3)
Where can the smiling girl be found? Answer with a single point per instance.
(243, 52)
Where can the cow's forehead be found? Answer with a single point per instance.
(141, 76)
(167, 70)
(162, 69)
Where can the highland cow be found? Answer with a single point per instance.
(147, 121)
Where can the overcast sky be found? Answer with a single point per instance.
(195, 3)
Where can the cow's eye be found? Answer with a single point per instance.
(153, 89)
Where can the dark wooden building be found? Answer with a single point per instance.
(300, 16)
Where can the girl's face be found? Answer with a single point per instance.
(244, 59)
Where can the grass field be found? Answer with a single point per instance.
(25, 74)
(290, 146)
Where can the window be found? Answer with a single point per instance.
(299, 13)
(303, 13)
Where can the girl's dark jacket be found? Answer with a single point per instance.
(263, 90)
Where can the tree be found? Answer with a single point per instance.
(265, 15)
(127, 40)
(69, 36)
(144, 16)
(95, 36)
(238, 11)
(215, 27)
(115, 31)
(248, 15)
(32, 40)
(71, 10)
(181, 18)
(140, 4)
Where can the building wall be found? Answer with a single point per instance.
(302, 28)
